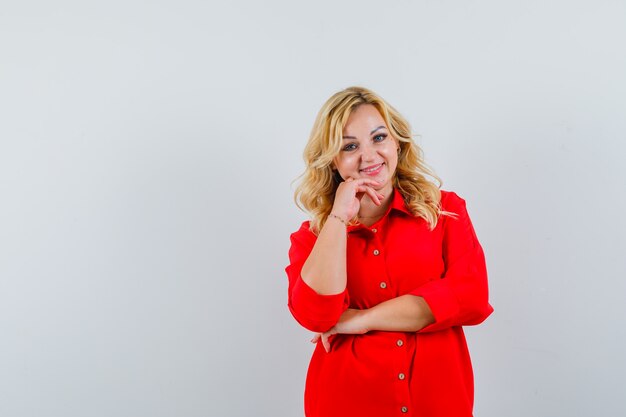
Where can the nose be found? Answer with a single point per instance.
(368, 153)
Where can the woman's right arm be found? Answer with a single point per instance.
(317, 270)
(325, 268)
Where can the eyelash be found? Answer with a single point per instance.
(348, 148)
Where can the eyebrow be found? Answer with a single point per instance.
(371, 133)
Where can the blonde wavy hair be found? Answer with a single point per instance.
(315, 193)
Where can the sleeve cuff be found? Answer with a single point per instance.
(442, 302)
(315, 311)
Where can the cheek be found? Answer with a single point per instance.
(345, 163)
(392, 157)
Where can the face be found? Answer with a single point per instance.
(368, 149)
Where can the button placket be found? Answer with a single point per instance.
(401, 369)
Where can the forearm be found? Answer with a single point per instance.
(325, 268)
(407, 313)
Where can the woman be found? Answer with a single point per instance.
(386, 272)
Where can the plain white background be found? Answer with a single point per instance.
(146, 159)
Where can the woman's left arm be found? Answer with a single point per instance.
(407, 313)
(461, 296)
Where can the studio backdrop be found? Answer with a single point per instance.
(147, 158)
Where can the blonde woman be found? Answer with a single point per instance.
(386, 272)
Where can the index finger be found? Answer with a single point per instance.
(367, 181)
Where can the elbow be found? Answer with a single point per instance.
(475, 302)
(314, 311)
(481, 313)
(477, 311)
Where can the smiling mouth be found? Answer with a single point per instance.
(373, 168)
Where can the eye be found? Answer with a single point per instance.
(349, 147)
(380, 138)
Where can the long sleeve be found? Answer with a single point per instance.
(313, 311)
(460, 296)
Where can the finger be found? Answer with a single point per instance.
(326, 342)
(360, 192)
(368, 181)
(363, 190)
(315, 338)
(373, 195)
(363, 181)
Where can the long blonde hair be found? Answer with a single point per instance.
(316, 190)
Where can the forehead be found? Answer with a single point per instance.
(363, 118)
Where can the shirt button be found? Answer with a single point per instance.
(374, 230)
(405, 409)
(376, 252)
(383, 285)
(401, 376)
(399, 342)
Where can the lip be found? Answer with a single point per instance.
(372, 169)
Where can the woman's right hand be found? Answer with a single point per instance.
(349, 194)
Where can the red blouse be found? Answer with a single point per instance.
(383, 374)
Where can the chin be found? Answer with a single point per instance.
(383, 184)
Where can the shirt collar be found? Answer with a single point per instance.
(398, 203)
